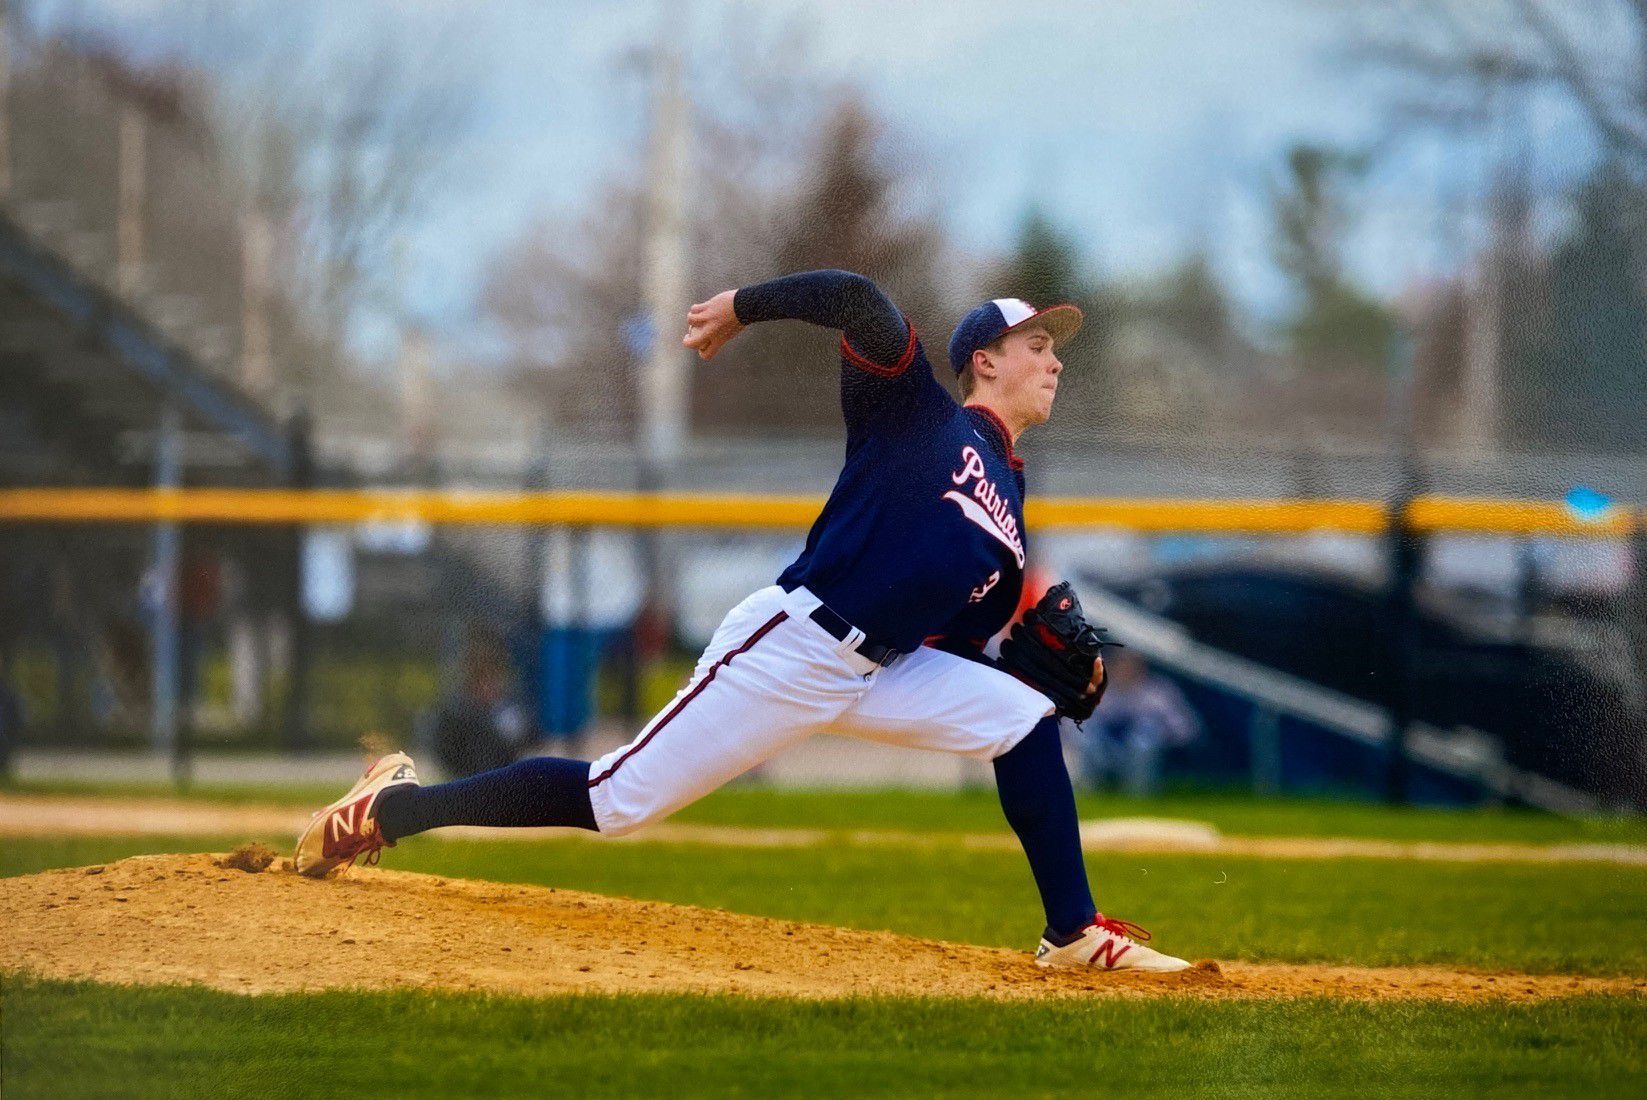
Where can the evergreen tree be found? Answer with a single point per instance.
(1584, 384)
(1044, 268)
(1334, 324)
(848, 212)
(1192, 303)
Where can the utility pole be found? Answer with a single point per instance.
(257, 261)
(1506, 204)
(5, 103)
(163, 592)
(662, 420)
(128, 267)
(418, 424)
(1483, 348)
(663, 382)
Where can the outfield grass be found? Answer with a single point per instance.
(79, 1039)
(1234, 813)
(1544, 918)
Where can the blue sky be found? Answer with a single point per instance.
(1144, 127)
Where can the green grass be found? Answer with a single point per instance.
(1560, 918)
(977, 811)
(78, 1039)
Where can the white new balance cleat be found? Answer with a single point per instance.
(1108, 944)
(347, 829)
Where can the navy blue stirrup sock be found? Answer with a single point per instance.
(542, 790)
(1039, 803)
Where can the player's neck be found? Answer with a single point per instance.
(1014, 426)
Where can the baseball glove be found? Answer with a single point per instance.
(1055, 650)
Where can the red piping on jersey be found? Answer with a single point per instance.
(862, 363)
(935, 641)
(1006, 437)
(691, 695)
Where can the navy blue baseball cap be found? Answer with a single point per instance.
(999, 316)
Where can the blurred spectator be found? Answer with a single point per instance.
(1142, 716)
(481, 725)
(67, 634)
(636, 649)
(123, 663)
(199, 601)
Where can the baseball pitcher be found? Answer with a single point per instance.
(876, 630)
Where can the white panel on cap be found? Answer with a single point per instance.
(1014, 310)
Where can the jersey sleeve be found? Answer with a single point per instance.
(885, 376)
(889, 392)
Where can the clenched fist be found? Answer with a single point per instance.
(711, 325)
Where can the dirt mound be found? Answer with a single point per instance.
(253, 858)
(189, 919)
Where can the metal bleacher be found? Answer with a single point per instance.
(87, 382)
(1301, 735)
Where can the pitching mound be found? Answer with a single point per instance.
(244, 923)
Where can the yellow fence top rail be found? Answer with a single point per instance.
(749, 511)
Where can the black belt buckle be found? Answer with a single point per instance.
(882, 655)
(839, 629)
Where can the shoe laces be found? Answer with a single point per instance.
(1121, 927)
(371, 846)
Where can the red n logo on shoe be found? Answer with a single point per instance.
(1112, 950)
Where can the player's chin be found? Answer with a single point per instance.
(1044, 408)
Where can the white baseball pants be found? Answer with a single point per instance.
(770, 678)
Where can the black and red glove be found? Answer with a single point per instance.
(1055, 650)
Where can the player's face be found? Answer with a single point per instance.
(1028, 374)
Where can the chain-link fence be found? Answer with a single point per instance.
(1516, 650)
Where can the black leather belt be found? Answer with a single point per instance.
(839, 629)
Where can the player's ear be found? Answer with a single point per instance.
(981, 366)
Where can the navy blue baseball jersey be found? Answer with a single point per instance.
(923, 534)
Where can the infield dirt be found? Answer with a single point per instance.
(244, 922)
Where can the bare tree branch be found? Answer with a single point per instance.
(1626, 137)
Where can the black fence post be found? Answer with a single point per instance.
(1400, 635)
(1635, 629)
(1405, 550)
(296, 720)
(537, 560)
